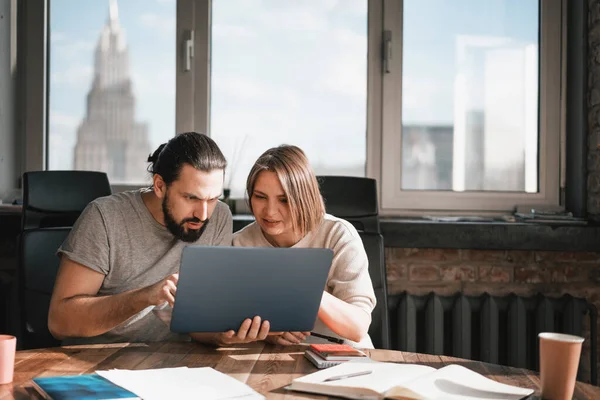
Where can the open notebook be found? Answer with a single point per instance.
(406, 381)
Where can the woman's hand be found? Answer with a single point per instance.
(287, 338)
(251, 330)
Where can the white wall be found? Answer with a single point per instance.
(9, 152)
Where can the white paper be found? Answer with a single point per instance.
(457, 382)
(383, 375)
(172, 383)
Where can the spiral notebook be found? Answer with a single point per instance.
(320, 362)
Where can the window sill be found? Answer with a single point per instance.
(496, 235)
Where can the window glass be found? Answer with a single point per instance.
(470, 72)
(112, 85)
(289, 72)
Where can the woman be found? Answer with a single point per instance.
(284, 197)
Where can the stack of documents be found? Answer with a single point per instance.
(180, 383)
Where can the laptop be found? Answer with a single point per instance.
(219, 287)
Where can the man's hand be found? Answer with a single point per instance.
(288, 338)
(251, 330)
(163, 291)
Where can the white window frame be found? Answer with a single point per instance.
(394, 200)
(384, 92)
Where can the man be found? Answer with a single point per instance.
(122, 257)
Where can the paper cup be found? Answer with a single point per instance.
(8, 347)
(559, 361)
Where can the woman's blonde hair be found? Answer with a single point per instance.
(299, 185)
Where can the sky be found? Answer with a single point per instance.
(283, 71)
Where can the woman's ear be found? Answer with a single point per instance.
(160, 187)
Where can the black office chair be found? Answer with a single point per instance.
(52, 202)
(355, 200)
(56, 198)
(379, 331)
(37, 273)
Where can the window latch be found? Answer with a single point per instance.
(188, 50)
(387, 52)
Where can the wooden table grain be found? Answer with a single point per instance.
(266, 368)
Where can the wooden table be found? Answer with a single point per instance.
(264, 367)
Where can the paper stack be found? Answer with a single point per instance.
(179, 383)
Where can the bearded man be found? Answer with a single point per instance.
(122, 257)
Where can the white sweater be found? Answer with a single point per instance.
(348, 278)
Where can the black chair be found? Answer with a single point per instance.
(37, 273)
(380, 325)
(355, 200)
(52, 202)
(56, 198)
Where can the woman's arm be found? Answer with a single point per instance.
(347, 320)
(347, 304)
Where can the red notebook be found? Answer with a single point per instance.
(332, 352)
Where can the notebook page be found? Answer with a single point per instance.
(171, 383)
(383, 375)
(457, 382)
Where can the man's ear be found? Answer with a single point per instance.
(160, 187)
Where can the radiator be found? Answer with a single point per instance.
(499, 330)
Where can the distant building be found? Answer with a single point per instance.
(109, 139)
(427, 157)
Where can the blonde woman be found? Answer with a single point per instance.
(285, 200)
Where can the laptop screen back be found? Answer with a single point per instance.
(219, 287)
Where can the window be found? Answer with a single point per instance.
(111, 85)
(292, 72)
(451, 106)
(472, 104)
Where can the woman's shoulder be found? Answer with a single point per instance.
(337, 228)
(248, 236)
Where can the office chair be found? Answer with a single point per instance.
(52, 202)
(56, 198)
(355, 200)
(379, 331)
(37, 273)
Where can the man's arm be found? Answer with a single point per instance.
(77, 311)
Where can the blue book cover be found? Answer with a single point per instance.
(80, 387)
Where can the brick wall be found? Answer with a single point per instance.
(473, 272)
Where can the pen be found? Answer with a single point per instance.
(330, 338)
(339, 377)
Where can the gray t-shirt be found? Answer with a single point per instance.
(118, 237)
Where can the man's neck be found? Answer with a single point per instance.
(154, 205)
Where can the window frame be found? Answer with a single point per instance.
(193, 103)
(395, 201)
(34, 56)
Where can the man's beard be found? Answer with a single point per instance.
(178, 229)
